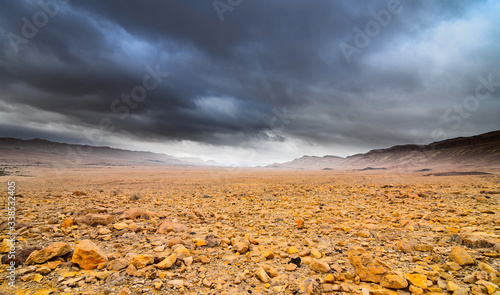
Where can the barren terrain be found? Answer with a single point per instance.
(156, 230)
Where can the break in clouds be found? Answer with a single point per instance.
(249, 82)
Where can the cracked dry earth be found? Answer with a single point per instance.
(199, 231)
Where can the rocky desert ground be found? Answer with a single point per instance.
(154, 230)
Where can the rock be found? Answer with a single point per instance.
(54, 250)
(268, 254)
(416, 290)
(240, 247)
(460, 256)
(120, 225)
(20, 256)
(293, 250)
(393, 282)
(174, 241)
(132, 213)
(43, 270)
(290, 267)
(319, 266)
(489, 286)
(461, 291)
(125, 291)
(180, 251)
(329, 278)
(423, 247)
(488, 268)
(418, 280)
(204, 259)
(118, 264)
(5, 247)
(311, 286)
(142, 260)
(451, 286)
(367, 268)
(262, 275)
(316, 254)
(167, 262)
(271, 271)
(95, 219)
(68, 222)
(167, 226)
(176, 283)
(88, 256)
(157, 284)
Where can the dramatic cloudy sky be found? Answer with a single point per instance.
(249, 82)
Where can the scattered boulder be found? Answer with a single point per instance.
(88, 256)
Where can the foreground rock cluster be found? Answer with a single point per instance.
(255, 232)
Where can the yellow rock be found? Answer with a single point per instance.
(268, 254)
(315, 253)
(38, 278)
(451, 286)
(200, 243)
(329, 278)
(167, 262)
(460, 256)
(5, 247)
(120, 225)
(293, 250)
(68, 222)
(142, 260)
(44, 292)
(418, 280)
(393, 282)
(367, 267)
(416, 290)
(88, 256)
(489, 286)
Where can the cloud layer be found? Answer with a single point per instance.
(271, 81)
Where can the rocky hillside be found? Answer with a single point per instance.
(462, 152)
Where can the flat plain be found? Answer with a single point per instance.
(153, 230)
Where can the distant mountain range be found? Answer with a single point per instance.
(462, 152)
(44, 152)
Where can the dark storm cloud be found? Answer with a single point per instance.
(270, 71)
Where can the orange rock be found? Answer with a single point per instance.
(368, 268)
(68, 222)
(88, 256)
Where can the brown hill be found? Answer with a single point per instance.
(47, 153)
(481, 151)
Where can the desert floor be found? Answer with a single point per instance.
(156, 230)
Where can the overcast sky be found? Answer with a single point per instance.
(249, 82)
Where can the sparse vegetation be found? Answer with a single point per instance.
(135, 197)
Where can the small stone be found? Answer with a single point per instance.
(200, 243)
(311, 286)
(320, 266)
(290, 267)
(271, 271)
(329, 278)
(240, 247)
(393, 282)
(68, 222)
(5, 247)
(157, 284)
(293, 250)
(181, 251)
(451, 286)
(489, 286)
(316, 254)
(367, 267)
(416, 290)
(488, 268)
(262, 275)
(268, 254)
(460, 256)
(167, 262)
(120, 225)
(470, 279)
(423, 247)
(125, 291)
(418, 280)
(54, 250)
(204, 259)
(142, 260)
(118, 264)
(176, 283)
(88, 256)
(453, 266)
(461, 291)
(43, 270)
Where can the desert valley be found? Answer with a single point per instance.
(394, 221)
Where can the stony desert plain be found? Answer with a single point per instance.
(156, 230)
